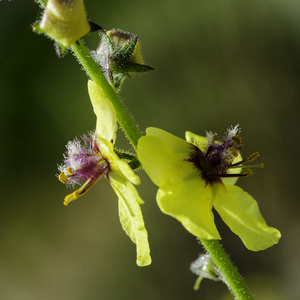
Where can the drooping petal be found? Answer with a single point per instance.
(240, 212)
(164, 156)
(190, 202)
(131, 216)
(106, 126)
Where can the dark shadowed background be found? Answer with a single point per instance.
(217, 63)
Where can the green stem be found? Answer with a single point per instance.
(93, 71)
(231, 277)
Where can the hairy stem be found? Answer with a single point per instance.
(126, 122)
(231, 277)
(41, 2)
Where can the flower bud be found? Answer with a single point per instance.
(119, 55)
(126, 46)
(64, 21)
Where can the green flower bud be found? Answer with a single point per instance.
(64, 21)
(119, 55)
(126, 46)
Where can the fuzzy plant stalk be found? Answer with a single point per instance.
(230, 276)
(126, 122)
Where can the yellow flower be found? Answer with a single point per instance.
(195, 175)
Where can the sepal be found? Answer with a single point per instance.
(60, 50)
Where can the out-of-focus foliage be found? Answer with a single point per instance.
(217, 63)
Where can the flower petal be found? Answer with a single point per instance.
(117, 164)
(163, 156)
(240, 212)
(173, 142)
(190, 202)
(197, 140)
(106, 115)
(131, 216)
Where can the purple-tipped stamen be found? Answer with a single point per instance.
(83, 162)
(215, 161)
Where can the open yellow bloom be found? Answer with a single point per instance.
(195, 175)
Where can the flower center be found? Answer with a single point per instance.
(218, 158)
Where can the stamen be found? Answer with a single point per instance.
(73, 196)
(220, 156)
(261, 165)
(244, 173)
(70, 171)
(214, 138)
(234, 151)
(88, 154)
(85, 187)
(236, 139)
(252, 157)
(101, 160)
(246, 169)
(233, 131)
(63, 177)
(211, 137)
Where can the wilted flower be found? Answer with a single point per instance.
(85, 163)
(195, 175)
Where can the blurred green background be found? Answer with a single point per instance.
(217, 63)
